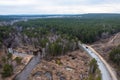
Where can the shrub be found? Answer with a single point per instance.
(4, 60)
(18, 60)
(7, 70)
(9, 56)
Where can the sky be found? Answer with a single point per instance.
(58, 6)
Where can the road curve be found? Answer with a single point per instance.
(106, 70)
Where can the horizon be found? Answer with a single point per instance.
(55, 14)
(46, 7)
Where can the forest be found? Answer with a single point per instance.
(86, 30)
(66, 31)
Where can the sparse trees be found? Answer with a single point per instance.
(93, 66)
(55, 49)
(7, 66)
(94, 72)
(43, 42)
(115, 55)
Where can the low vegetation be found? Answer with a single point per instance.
(114, 55)
(94, 72)
(7, 66)
(7, 70)
(18, 60)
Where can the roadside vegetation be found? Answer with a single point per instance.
(7, 69)
(7, 65)
(114, 56)
(94, 72)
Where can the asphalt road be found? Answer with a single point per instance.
(23, 75)
(106, 71)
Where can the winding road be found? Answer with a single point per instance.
(106, 70)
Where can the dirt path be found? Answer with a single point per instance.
(111, 41)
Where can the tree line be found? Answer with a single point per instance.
(86, 30)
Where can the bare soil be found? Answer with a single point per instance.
(73, 66)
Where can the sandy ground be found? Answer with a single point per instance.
(73, 66)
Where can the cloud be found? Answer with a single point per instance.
(59, 6)
(14, 2)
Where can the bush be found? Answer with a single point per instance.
(9, 56)
(4, 60)
(7, 70)
(18, 60)
(58, 61)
